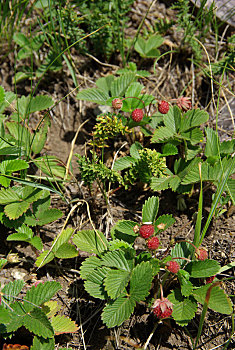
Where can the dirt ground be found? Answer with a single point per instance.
(170, 78)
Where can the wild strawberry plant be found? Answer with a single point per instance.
(123, 277)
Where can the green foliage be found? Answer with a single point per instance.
(147, 48)
(32, 313)
(93, 170)
(143, 164)
(194, 26)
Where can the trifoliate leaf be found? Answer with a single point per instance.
(184, 309)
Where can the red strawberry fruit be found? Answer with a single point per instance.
(153, 243)
(201, 254)
(172, 266)
(137, 115)
(163, 107)
(162, 308)
(146, 230)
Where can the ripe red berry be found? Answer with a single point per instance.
(172, 266)
(146, 230)
(117, 103)
(162, 308)
(201, 254)
(153, 243)
(163, 107)
(210, 279)
(137, 115)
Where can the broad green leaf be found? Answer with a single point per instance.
(64, 236)
(124, 230)
(15, 210)
(29, 104)
(218, 300)
(25, 230)
(44, 258)
(104, 83)
(148, 48)
(182, 250)
(9, 166)
(160, 183)
(184, 309)
(18, 237)
(162, 134)
(120, 84)
(38, 323)
(167, 220)
(115, 282)
(8, 195)
(193, 118)
(51, 166)
(95, 286)
(40, 343)
(21, 39)
(50, 308)
(191, 151)
(36, 242)
(14, 323)
(5, 316)
(116, 312)
(3, 262)
(62, 324)
(20, 133)
(40, 136)
(40, 294)
(202, 269)
(2, 95)
(150, 209)
(31, 194)
(194, 135)
(169, 149)
(93, 95)
(89, 265)
(134, 150)
(124, 163)
(172, 119)
(90, 241)
(47, 216)
(212, 143)
(66, 251)
(116, 259)
(11, 290)
(140, 282)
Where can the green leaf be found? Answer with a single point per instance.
(62, 324)
(116, 312)
(202, 269)
(161, 134)
(2, 94)
(29, 104)
(168, 220)
(5, 316)
(40, 136)
(194, 135)
(15, 210)
(141, 279)
(9, 166)
(218, 300)
(123, 163)
(104, 83)
(44, 258)
(8, 195)
(134, 150)
(193, 118)
(212, 143)
(115, 282)
(148, 48)
(89, 265)
(150, 209)
(40, 294)
(124, 230)
(18, 237)
(40, 343)
(21, 39)
(36, 242)
(3, 262)
(47, 216)
(93, 95)
(64, 236)
(38, 323)
(120, 84)
(184, 309)
(51, 166)
(116, 259)
(90, 241)
(95, 286)
(169, 149)
(66, 251)
(182, 250)
(160, 183)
